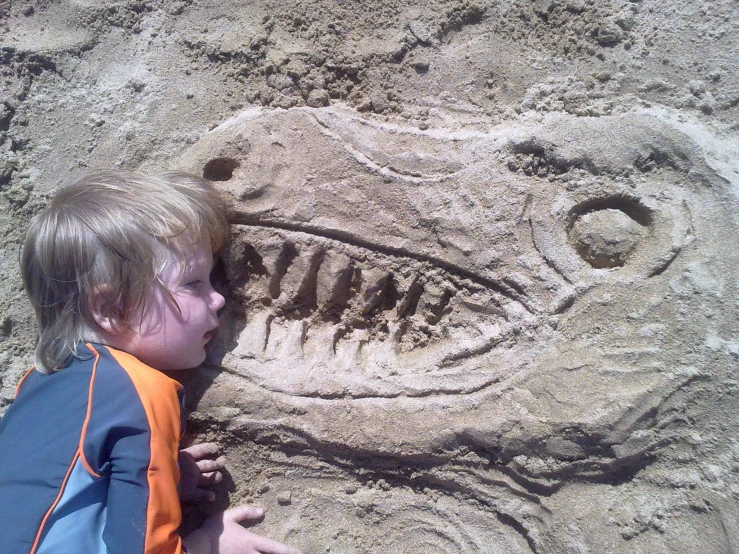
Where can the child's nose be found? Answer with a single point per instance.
(218, 300)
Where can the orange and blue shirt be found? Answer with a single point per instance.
(88, 460)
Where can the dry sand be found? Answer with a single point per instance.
(482, 283)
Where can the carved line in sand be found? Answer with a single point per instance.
(406, 521)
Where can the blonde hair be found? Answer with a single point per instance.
(110, 231)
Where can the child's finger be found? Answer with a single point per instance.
(206, 466)
(200, 495)
(243, 513)
(202, 450)
(210, 478)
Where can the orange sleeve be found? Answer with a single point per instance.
(159, 396)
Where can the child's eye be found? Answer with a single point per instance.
(194, 284)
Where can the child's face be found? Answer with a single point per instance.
(170, 339)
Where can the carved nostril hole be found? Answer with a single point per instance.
(220, 169)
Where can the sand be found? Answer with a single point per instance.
(481, 286)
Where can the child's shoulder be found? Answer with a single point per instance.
(105, 372)
(149, 384)
(110, 357)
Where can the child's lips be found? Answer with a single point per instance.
(209, 334)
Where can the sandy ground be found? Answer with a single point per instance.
(482, 283)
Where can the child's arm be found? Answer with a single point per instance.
(132, 426)
(222, 534)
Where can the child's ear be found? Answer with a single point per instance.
(101, 310)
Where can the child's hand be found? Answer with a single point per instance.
(198, 469)
(222, 534)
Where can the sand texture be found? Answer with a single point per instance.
(482, 283)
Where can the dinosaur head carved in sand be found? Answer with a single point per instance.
(519, 292)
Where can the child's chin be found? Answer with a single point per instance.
(190, 363)
(197, 361)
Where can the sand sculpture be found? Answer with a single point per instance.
(490, 315)
(482, 288)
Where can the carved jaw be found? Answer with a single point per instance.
(329, 319)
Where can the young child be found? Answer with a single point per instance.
(117, 268)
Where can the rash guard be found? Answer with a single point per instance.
(88, 459)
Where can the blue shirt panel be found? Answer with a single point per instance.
(39, 438)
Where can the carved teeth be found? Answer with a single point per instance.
(285, 341)
(317, 309)
(409, 302)
(432, 303)
(253, 339)
(334, 281)
(375, 284)
(349, 351)
(320, 343)
(298, 285)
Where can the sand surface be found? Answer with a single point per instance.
(482, 282)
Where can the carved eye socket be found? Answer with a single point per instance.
(605, 232)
